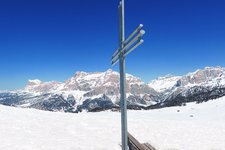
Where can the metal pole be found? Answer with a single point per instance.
(123, 103)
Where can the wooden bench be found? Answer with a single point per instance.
(135, 145)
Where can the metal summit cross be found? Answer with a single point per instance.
(125, 47)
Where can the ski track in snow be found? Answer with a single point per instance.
(193, 127)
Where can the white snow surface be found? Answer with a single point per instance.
(192, 127)
(164, 83)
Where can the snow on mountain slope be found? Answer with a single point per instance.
(192, 127)
(100, 90)
(93, 85)
(209, 76)
(37, 86)
(201, 85)
(162, 84)
(97, 83)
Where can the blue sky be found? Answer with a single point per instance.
(51, 39)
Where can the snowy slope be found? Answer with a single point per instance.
(201, 85)
(193, 127)
(209, 76)
(162, 84)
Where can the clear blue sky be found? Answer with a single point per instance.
(51, 40)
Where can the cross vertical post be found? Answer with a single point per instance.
(123, 102)
(126, 46)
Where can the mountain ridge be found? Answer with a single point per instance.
(100, 90)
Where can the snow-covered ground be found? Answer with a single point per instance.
(193, 127)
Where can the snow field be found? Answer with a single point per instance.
(193, 127)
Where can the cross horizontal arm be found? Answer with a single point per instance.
(118, 51)
(141, 33)
(116, 59)
(135, 32)
(115, 52)
(133, 48)
(116, 56)
(115, 62)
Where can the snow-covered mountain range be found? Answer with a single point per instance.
(100, 90)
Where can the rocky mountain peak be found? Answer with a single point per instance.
(80, 74)
(33, 82)
(202, 76)
(109, 71)
(37, 86)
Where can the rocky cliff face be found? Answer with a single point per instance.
(100, 90)
(201, 85)
(36, 86)
(82, 91)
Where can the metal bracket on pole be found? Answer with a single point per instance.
(127, 45)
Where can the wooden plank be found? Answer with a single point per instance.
(135, 145)
(149, 146)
